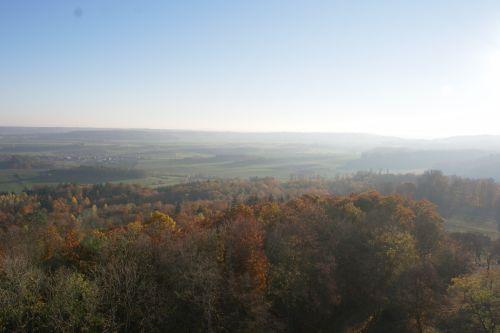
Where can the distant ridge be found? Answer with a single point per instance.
(356, 141)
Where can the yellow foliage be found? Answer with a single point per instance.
(162, 220)
(135, 226)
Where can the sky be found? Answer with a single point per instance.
(428, 68)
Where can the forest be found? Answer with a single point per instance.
(369, 252)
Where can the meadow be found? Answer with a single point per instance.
(166, 163)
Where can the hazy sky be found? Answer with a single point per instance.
(408, 68)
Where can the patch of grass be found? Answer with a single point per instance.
(485, 227)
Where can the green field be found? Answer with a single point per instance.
(163, 163)
(485, 227)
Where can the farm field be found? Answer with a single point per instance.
(157, 163)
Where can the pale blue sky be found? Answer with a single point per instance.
(407, 68)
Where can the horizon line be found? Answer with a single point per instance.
(208, 130)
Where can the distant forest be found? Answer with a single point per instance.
(363, 253)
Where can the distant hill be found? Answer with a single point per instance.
(7, 131)
(356, 141)
(466, 163)
(411, 160)
(484, 142)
